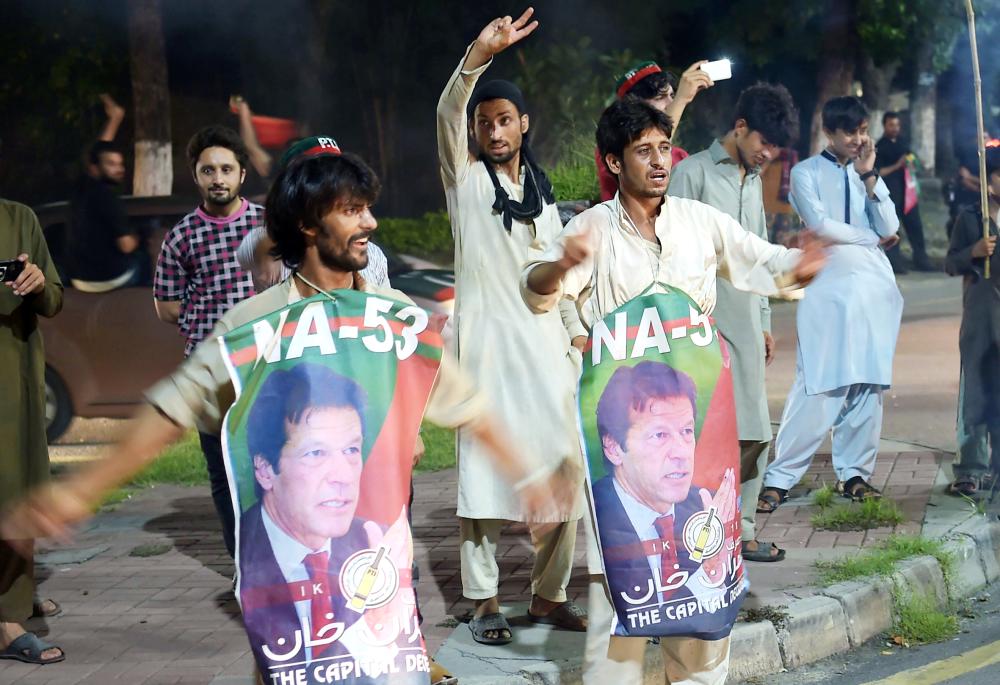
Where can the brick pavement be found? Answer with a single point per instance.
(171, 618)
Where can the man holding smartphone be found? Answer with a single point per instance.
(848, 321)
(28, 291)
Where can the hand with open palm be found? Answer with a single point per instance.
(499, 35)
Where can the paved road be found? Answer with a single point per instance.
(972, 658)
(920, 407)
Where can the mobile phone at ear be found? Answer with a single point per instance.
(719, 70)
(10, 269)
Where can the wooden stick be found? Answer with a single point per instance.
(978, 83)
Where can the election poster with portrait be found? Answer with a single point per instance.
(658, 427)
(319, 446)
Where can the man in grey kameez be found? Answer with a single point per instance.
(727, 177)
(25, 456)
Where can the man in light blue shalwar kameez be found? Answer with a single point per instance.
(849, 319)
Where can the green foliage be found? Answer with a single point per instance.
(882, 560)
(180, 464)
(428, 237)
(439, 446)
(574, 177)
(568, 84)
(872, 513)
(919, 621)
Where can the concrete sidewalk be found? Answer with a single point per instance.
(169, 616)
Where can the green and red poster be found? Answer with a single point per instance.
(319, 445)
(659, 431)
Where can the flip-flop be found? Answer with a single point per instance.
(857, 489)
(763, 552)
(567, 616)
(495, 622)
(28, 648)
(38, 612)
(440, 675)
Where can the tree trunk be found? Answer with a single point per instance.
(837, 61)
(923, 108)
(876, 84)
(154, 170)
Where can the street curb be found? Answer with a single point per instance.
(815, 629)
(835, 620)
(754, 651)
(867, 608)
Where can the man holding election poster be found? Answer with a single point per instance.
(642, 270)
(319, 384)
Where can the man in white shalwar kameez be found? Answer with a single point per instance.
(848, 320)
(503, 216)
(611, 254)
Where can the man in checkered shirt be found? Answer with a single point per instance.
(198, 278)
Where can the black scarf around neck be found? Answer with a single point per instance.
(537, 192)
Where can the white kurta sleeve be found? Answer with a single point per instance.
(577, 280)
(452, 125)
(881, 211)
(804, 197)
(748, 262)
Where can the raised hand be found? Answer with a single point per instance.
(112, 110)
(692, 81)
(865, 160)
(503, 32)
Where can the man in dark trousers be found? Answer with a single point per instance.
(891, 154)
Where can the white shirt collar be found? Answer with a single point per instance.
(289, 552)
(641, 516)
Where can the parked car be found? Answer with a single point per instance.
(104, 350)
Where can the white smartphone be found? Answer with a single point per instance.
(719, 70)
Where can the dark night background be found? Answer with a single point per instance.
(370, 73)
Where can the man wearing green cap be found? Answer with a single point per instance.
(503, 215)
(647, 82)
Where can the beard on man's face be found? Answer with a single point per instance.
(216, 196)
(345, 258)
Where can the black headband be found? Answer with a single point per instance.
(497, 90)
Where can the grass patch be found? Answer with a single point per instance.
(114, 498)
(872, 513)
(823, 497)
(575, 178)
(180, 464)
(881, 560)
(919, 621)
(439, 446)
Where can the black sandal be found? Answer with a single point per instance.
(964, 486)
(857, 489)
(770, 502)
